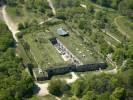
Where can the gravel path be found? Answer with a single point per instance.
(52, 7)
(44, 87)
(73, 79)
(11, 25)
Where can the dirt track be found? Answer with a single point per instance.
(52, 7)
(11, 25)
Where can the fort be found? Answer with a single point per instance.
(76, 65)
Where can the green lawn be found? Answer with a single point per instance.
(125, 26)
(47, 97)
(24, 16)
(23, 54)
(44, 54)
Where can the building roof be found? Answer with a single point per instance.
(39, 72)
(61, 31)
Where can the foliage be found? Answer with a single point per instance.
(100, 87)
(15, 83)
(57, 87)
(6, 39)
(124, 6)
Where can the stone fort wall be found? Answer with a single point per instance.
(74, 68)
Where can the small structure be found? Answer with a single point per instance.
(40, 74)
(62, 32)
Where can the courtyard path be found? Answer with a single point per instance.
(11, 25)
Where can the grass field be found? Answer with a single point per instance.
(44, 53)
(23, 54)
(47, 97)
(24, 15)
(125, 26)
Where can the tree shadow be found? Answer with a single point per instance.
(36, 90)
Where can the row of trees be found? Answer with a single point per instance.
(37, 6)
(97, 87)
(15, 83)
(108, 3)
(66, 3)
(124, 6)
(5, 40)
(123, 52)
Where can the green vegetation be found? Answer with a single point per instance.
(125, 25)
(28, 10)
(75, 44)
(47, 97)
(15, 83)
(97, 87)
(125, 7)
(57, 87)
(5, 37)
(98, 28)
(42, 50)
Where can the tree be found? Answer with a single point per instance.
(126, 7)
(103, 96)
(90, 95)
(57, 87)
(119, 55)
(77, 88)
(15, 83)
(118, 94)
(21, 26)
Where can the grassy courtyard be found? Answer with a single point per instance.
(43, 52)
(76, 45)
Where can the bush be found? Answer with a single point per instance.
(19, 35)
(57, 87)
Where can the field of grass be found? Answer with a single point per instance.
(24, 15)
(47, 97)
(23, 54)
(125, 26)
(75, 45)
(43, 51)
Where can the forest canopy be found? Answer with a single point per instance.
(15, 83)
